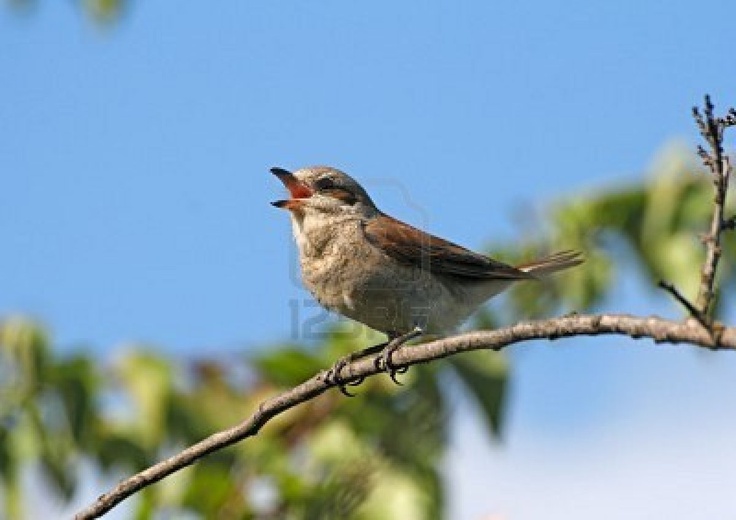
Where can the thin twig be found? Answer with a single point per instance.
(729, 224)
(703, 319)
(711, 128)
(655, 328)
(730, 119)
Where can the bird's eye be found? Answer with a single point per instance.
(343, 195)
(327, 187)
(325, 183)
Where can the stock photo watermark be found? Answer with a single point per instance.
(310, 320)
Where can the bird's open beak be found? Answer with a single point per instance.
(298, 191)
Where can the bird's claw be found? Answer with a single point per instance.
(392, 375)
(386, 364)
(333, 377)
(344, 391)
(384, 360)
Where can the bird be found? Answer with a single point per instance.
(363, 264)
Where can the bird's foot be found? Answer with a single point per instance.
(334, 376)
(384, 360)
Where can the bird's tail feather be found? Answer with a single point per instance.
(552, 263)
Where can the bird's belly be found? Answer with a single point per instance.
(391, 301)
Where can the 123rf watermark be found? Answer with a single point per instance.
(309, 321)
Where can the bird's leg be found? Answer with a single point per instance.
(333, 374)
(387, 348)
(395, 343)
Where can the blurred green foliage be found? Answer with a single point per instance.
(375, 456)
(368, 457)
(102, 11)
(652, 225)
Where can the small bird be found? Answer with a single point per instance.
(366, 265)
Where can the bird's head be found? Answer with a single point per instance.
(325, 191)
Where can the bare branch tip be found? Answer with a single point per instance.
(730, 118)
(708, 105)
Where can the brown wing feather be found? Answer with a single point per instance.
(552, 263)
(410, 245)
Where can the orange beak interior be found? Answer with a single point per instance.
(297, 189)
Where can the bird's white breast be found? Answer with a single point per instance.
(348, 275)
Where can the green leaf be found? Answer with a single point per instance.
(211, 488)
(120, 450)
(25, 346)
(287, 366)
(149, 381)
(77, 384)
(484, 375)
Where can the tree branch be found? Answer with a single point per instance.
(711, 128)
(655, 328)
(702, 331)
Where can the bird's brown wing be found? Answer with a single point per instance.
(412, 246)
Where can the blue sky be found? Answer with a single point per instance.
(135, 184)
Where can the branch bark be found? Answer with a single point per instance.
(712, 128)
(658, 329)
(699, 330)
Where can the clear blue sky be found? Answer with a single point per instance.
(135, 186)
